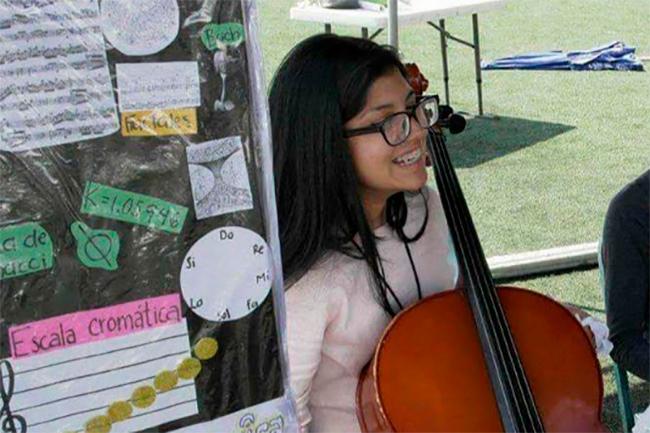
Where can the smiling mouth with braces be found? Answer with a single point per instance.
(409, 158)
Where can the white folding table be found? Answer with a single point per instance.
(420, 11)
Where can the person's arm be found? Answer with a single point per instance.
(627, 287)
(307, 317)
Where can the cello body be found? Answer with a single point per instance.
(428, 372)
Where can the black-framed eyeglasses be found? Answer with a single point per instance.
(396, 128)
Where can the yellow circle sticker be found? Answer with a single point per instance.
(143, 397)
(119, 411)
(98, 424)
(165, 380)
(206, 348)
(189, 368)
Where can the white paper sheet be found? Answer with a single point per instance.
(62, 390)
(273, 416)
(164, 85)
(55, 86)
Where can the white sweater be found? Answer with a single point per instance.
(334, 321)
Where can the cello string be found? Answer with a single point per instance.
(493, 302)
(479, 266)
(455, 225)
(490, 291)
(472, 276)
(509, 368)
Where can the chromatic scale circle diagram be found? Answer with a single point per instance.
(226, 274)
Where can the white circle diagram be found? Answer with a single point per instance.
(226, 274)
(142, 27)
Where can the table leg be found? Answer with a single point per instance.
(328, 28)
(477, 63)
(445, 66)
(393, 37)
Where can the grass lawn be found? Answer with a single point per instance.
(541, 169)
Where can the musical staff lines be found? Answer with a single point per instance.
(63, 390)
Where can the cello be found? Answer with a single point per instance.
(480, 358)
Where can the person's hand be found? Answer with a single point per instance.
(580, 315)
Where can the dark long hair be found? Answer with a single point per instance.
(320, 85)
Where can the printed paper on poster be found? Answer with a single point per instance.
(55, 86)
(158, 85)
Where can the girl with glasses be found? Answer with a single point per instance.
(362, 234)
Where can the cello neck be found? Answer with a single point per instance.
(511, 389)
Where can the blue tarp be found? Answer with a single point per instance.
(613, 56)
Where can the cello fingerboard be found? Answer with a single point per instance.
(511, 388)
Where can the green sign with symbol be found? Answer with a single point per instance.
(96, 248)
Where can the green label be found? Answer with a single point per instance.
(214, 35)
(24, 249)
(117, 204)
(96, 248)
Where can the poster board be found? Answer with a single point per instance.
(140, 278)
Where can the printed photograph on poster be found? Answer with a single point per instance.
(140, 28)
(202, 15)
(219, 177)
(223, 39)
(220, 60)
(55, 87)
(157, 85)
